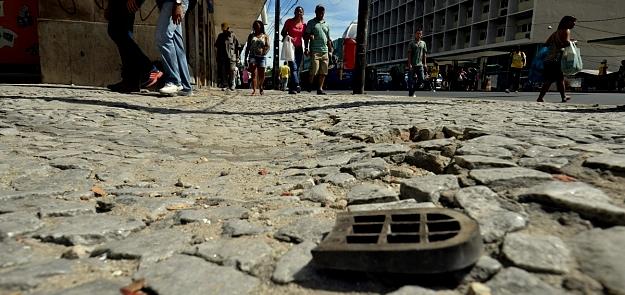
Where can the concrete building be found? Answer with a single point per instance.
(473, 30)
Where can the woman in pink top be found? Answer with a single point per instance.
(294, 28)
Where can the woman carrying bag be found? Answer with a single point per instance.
(255, 54)
(294, 30)
(552, 71)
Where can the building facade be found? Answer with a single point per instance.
(457, 30)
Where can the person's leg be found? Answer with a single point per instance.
(166, 44)
(261, 79)
(295, 66)
(232, 77)
(253, 75)
(119, 29)
(411, 81)
(562, 90)
(420, 76)
(543, 91)
(323, 72)
(181, 55)
(314, 69)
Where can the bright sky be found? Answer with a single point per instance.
(339, 14)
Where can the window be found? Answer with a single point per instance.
(504, 4)
(469, 13)
(442, 21)
(467, 39)
(501, 32)
(524, 28)
(455, 17)
(453, 42)
(482, 35)
(485, 8)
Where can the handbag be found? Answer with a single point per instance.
(571, 61)
(538, 64)
(288, 50)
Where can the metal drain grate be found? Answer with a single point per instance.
(429, 240)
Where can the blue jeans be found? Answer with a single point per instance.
(136, 66)
(170, 43)
(295, 66)
(418, 71)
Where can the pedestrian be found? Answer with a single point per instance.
(285, 71)
(170, 44)
(417, 64)
(518, 62)
(137, 69)
(552, 72)
(295, 28)
(228, 52)
(621, 76)
(434, 72)
(318, 47)
(603, 68)
(255, 54)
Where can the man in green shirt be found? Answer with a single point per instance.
(417, 64)
(318, 46)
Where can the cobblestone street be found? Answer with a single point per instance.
(225, 193)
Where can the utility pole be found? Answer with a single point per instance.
(361, 47)
(276, 47)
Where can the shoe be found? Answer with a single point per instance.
(507, 90)
(231, 88)
(516, 91)
(152, 79)
(410, 93)
(298, 89)
(433, 90)
(183, 92)
(292, 92)
(321, 92)
(170, 89)
(414, 95)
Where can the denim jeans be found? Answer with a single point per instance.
(170, 44)
(136, 66)
(295, 67)
(412, 84)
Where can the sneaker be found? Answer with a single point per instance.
(292, 92)
(170, 89)
(298, 89)
(411, 93)
(183, 92)
(507, 90)
(152, 79)
(321, 92)
(414, 95)
(433, 90)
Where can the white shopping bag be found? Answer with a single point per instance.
(288, 50)
(571, 62)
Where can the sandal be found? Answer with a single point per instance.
(540, 100)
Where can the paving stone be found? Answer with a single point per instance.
(427, 188)
(304, 229)
(324, 171)
(515, 281)
(403, 204)
(29, 276)
(97, 287)
(64, 180)
(14, 253)
(237, 228)
(484, 150)
(592, 148)
(485, 268)
(195, 276)
(496, 140)
(295, 265)
(367, 169)
(408, 172)
(151, 246)
(482, 162)
(336, 160)
(18, 223)
(370, 193)
(193, 216)
(71, 163)
(339, 179)
(436, 144)
(319, 193)
(549, 165)
(551, 142)
(545, 152)
(247, 255)
(154, 208)
(537, 253)
(482, 204)
(416, 290)
(298, 211)
(613, 162)
(87, 230)
(600, 255)
(506, 178)
(386, 149)
(9, 131)
(428, 161)
(579, 197)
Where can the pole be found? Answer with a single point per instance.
(276, 47)
(361, 47)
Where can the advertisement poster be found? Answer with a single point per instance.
(18, 32)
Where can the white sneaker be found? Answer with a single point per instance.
(170, 89)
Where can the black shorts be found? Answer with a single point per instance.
(552, 71)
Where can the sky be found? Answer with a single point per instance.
(339, 14)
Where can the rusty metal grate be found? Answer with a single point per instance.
(428, 240)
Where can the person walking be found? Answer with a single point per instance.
(255, 54)
(318, 46)
(137, 69)
(228, 52)
(621, 76)
(417, 63)
(518, 62)
(294, 28)
(552, 72)
(285, 71)
(170, 44)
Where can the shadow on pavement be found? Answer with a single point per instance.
(617, 109)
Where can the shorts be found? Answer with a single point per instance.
(319, 63)
(258, 60)
(552, 71)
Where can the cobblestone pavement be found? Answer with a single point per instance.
(224, 193)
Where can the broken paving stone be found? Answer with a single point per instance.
(386, 149)
(428, 161)
(18, 223)
(367, 169)
(370, 193)
(304, 229)
(14, 253)
(478, 289)
(98, 287)
(550, 142)
(484, 150)
(87, 230)
(29, 276)
(336, 160)
(416, 290)
(77, 252)
(537, 253)
(324, 171)
(482, 204)
(612, 162)
(601, 255)
(485, 268)
(295, 265)
(70, 163)
(507, 178)
(148, 246)
(339, 179)
(436, 144)
(195, 276)
(66, 180)
(482, 162)
(154, 208)
(319, 193)
(545, 152)
(496, 140)
(586, 200)
(549, 165)
(247, 255)
(43, 193)
(48, 207)
(427, 188)
(238, 228)
(408, 172)
(398, 205)
(515, 281)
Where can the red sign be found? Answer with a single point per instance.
(19, 43)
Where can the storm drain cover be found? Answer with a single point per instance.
(411, 241)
